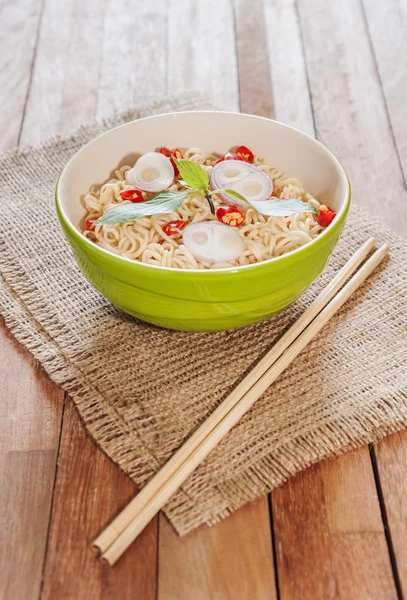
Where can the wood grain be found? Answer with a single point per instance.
(201, 51)
(387, 24)
(288, 70)
(30, 404)
(134, 54)
(370, 149)
(344, 482)
(350, 113)
(309, 568)
(329, 534)
(204, 564)
(256, 95)
(37, 104)
(63, 92)
(391, 460)
(105, 56)
(232, 560)
(89, 489)
(375, 580)
(25, 501)
(30, 416)
(19, 23)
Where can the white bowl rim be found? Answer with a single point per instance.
(222, 270)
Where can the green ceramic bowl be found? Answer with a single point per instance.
(193, 299)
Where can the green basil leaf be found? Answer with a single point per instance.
(235, 194)
(276, 208)
(192, 174)
(281, 208)
(161, 203)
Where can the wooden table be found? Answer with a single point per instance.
(331, 68)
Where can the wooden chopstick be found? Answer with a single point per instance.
(157, 493)
(108, 536)
(164, 492)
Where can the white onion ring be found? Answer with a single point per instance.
(241, 177)
(213, 242)
(153, 172)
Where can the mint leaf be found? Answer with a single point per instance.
(192, 174)
(161, 203)
(281, 208)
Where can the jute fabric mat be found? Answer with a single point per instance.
(141, 390)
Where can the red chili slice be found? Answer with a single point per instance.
(245, 153)
(132, 195)
(230, 215)
(229, 156)
(166, 151)
(173, 227)
(176, 152)
(89, 225)
(325, 215)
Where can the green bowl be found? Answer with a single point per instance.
(199, 300)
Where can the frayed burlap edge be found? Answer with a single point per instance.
(99, 419)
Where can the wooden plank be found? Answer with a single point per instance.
(134, 55)
(316, 515)
(201, 51)
(204, 563)
(387, 23)
(350, 113)
(391, 453)
(256, 94)
(89, 489)
(93, 41)
(288, 70)
(231, 560)
(30, 404)
(370, 549)
(19, 23)
(391, 460)
(30, 415)
(329, 534)
(349, 548)
(63, 92)
(25, 502)
(348, 508)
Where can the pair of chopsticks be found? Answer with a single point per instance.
(124, 529)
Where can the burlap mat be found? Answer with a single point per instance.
(142, 390)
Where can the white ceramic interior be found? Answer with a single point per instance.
(284, 147)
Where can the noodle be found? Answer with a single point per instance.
(145, 241)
